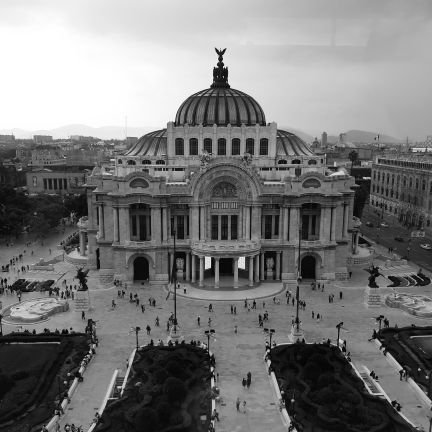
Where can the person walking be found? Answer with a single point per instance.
(235, 329)
(199, 320)
(83, 315)
(148, 328)
(209, 322)
(237, 404)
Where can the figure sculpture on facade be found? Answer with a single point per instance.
(82, 278)
(247, 158)
(179, 264)
(205, 159)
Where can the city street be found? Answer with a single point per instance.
(386, 237)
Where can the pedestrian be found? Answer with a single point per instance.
(199, 320)
(113, 304)
(148, 328)
(238, 404)
(232, 309)
(209, 322)
(142, 308)
(244, 382)
(313, 314)
(244, 406)
(401, 374)
(235, 310)
(340, 295)
(249, 379)
(235, 329)
(83, 315)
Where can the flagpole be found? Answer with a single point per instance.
(175, 283)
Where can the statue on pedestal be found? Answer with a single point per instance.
(82, 278)
(374, 273)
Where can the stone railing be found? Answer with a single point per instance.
(221, 247)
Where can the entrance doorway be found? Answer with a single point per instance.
(226, 266)
(141, 268)
(97, 258)
(308, 265)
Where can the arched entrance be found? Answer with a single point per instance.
(308, 265)
(141, 268)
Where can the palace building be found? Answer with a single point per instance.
(241, 200)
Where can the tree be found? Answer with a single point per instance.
(175, 389)
(353, 157)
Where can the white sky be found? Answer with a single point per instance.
(314, 65)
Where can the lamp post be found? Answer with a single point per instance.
(1, 325)
(297, 320)
(175, 283)
(270, 332)
(379, 319)
(136, 330)
(338, 326)
(208, 333)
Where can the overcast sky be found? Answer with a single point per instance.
(314, 65)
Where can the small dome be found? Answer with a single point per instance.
(288, 144)
(220, 106)
(152, 144)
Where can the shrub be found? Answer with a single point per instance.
(325, 380)
(6, 383)
(175, 389)
(146, 420)
(163, 411)
(160, 376)
(20, 375)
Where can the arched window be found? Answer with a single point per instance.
(296, 162)
(179, 147)
(146, 162)
(250, 146)
(131, 162)
(160, 162)
(193, 146)
(417, 184)
(388, 178)
(263, 151)
(312, 162)
(424, 185)
(120, 162)
(208, 147)
(410, 182)
(221, 150)
(282, 162)
(404, 181)
(235, 147)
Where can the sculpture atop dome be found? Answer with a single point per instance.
(220, 73)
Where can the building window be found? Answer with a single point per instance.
(263, 147)
(50, 184)
(417, 184)
(55, 183)
(64, 183)
(250, 144)
(410, 182)
(119, 161)
(208, 146)
(221, 147)
(224, 227)
(179, 147)
(180, 227)
(282, 162)
(312, 162)
(160, 162)
(214, 227)
(235, 147)
(193, 147)
(146, 162)
(45, 184)
(234, 228)
(424, 185)
(268, 226)
(134, 225)
(131, 162)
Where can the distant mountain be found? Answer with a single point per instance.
(104, 132)
(359, 136)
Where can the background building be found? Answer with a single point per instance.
(245, 200)
(402, 186)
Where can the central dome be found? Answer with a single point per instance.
(220, 106)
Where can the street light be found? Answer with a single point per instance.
(208, 334)
(175, 283)
(380, 319)
(1, 325)
(270, 332)
(338, 326)
(136, 330)
(297, 321)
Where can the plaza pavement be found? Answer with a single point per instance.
(236, 354)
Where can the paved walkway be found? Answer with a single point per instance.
(236, 354)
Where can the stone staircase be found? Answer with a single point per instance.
(373, 297)
(82, 302)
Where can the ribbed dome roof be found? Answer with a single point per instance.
(151, 144)
(220, 106)
(288, 144)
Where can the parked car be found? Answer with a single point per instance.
(384, 224)
(399, 239)
(369, 224)
(426, 246)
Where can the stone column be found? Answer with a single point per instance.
(164, 224)
(240, 224)
(285, 235)
(188, 266)
(257, 268)
(202, 230)
(193, 268)
(278, 262)
(116, 224)
(236, 272)
(251, 268)
(124, 224)
(333, 224)
(294, 224)
(262, 266)
(216, 280)
(346, 220)
(229, 227)
(201, 273)
(101, 221)
(256, 222)
(281, 216)
(247, 222)
(194, 221)
(262, 226)
(323, 224)
(82, 243)
(156, 224)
